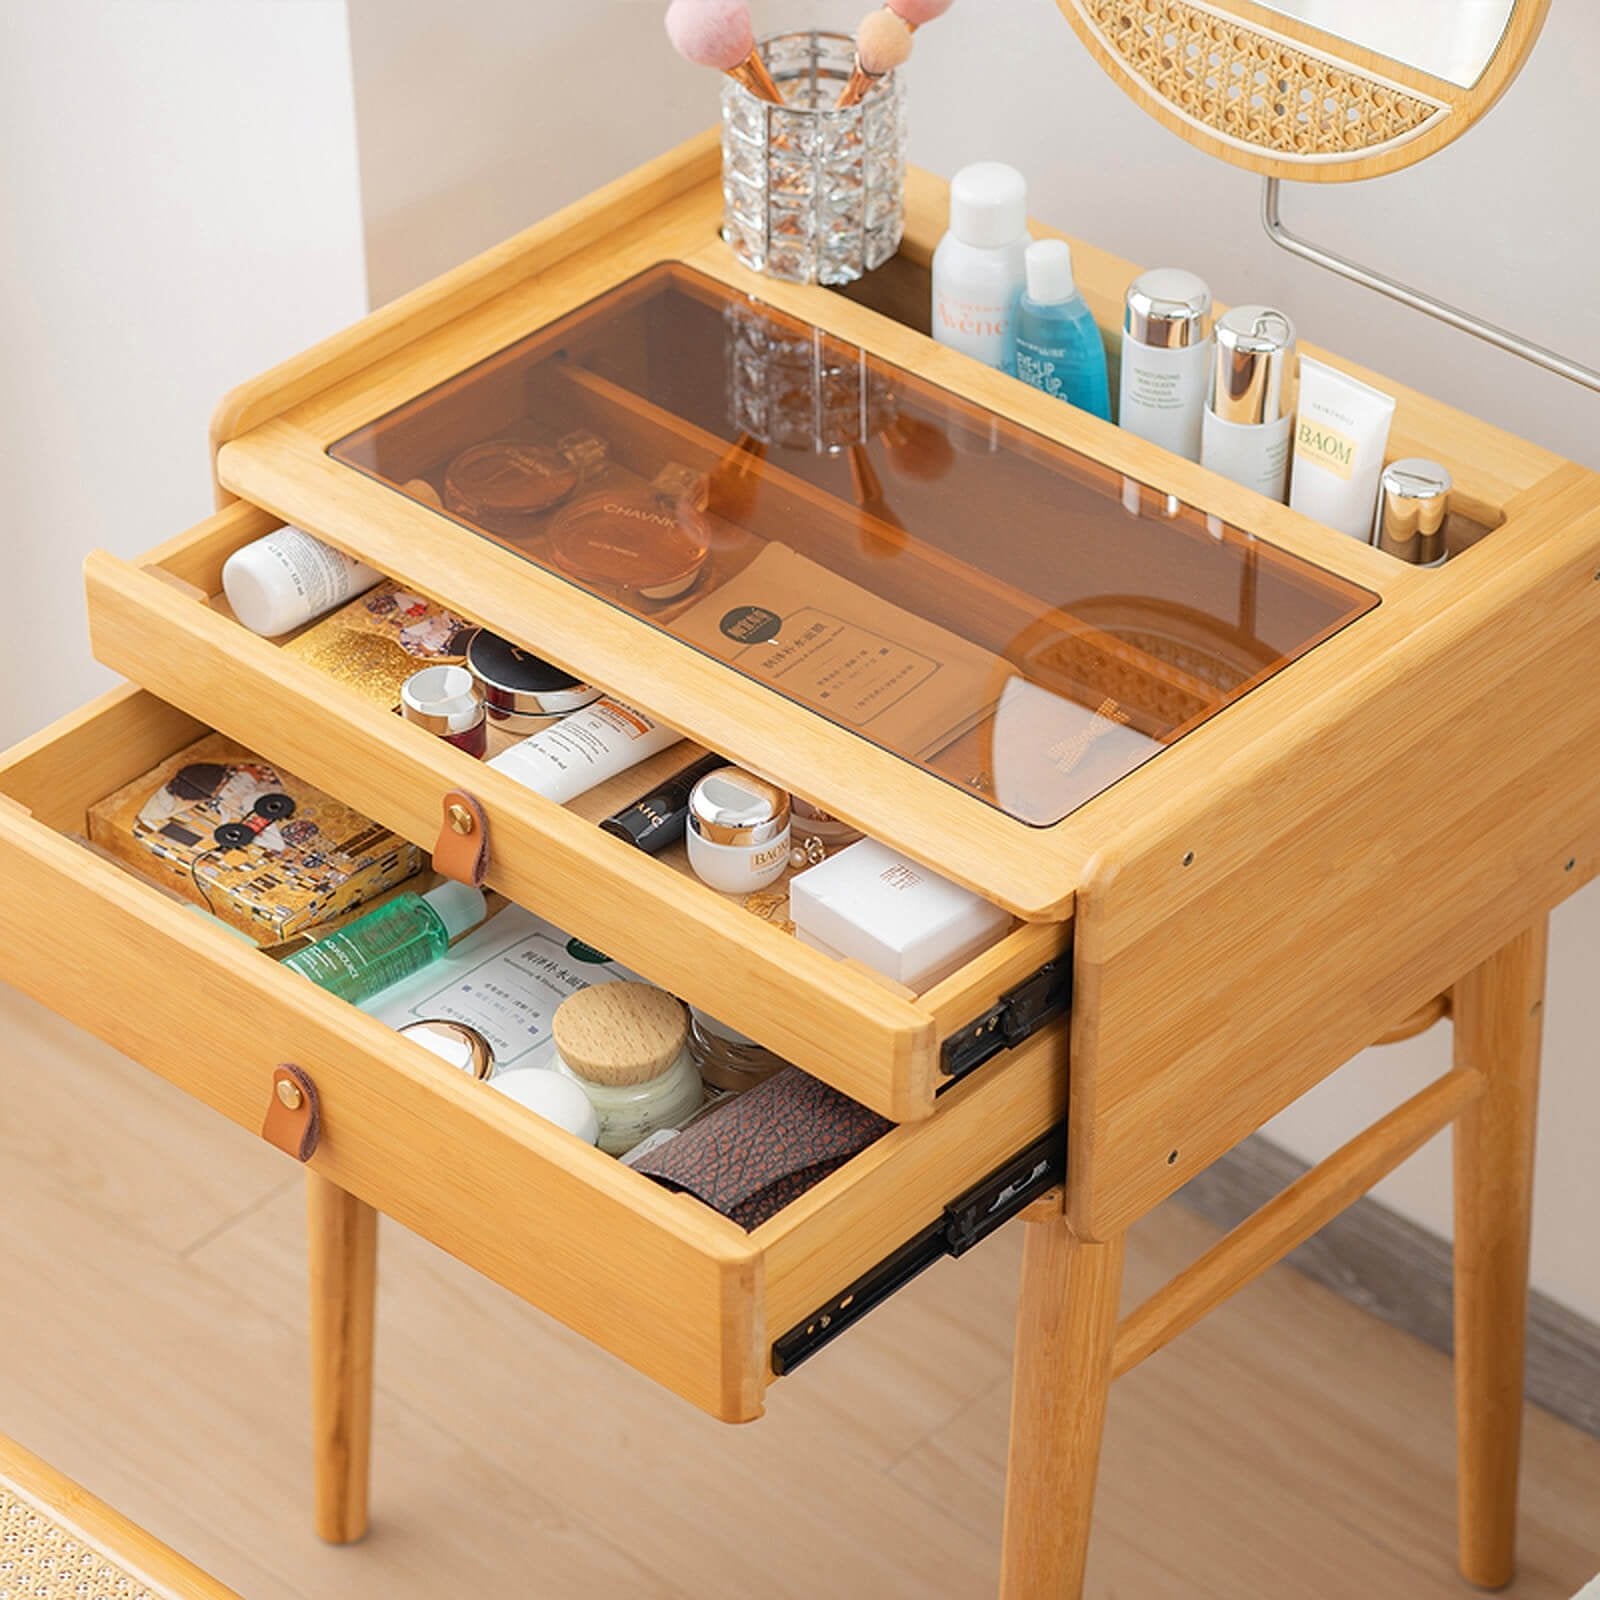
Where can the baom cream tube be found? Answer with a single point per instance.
(1340, 436)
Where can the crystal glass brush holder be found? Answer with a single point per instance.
(812, 194)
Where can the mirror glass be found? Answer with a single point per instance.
(1451, 39)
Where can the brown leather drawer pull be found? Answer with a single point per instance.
(462, 852)
(294, 1116)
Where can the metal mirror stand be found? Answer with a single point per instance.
(1501, 338)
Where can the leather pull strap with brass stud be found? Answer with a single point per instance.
(462, 852)
(294, 1117)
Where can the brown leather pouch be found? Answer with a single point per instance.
(754, 1154)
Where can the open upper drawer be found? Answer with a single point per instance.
(664, 1282)
(808, 558)
(164, 624)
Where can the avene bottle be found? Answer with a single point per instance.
(1055, 342)
(1249, 415)
(978, 267)
(1166, 358)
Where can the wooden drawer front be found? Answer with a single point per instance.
(668, 1285)
(869, 1038)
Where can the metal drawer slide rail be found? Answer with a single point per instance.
(1017, 1015)
(966, 1221)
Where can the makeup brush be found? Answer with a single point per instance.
(717, 33)
(883, 42)
(881, 532)
(736, 478)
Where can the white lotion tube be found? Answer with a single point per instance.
(584, 749)
(1339, 440)
(288, 578)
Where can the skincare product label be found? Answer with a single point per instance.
(1340, 437)
(1163, 394)
(862, 662)
(254, 845)
(584, 749)
(505, 981)
(375, 643)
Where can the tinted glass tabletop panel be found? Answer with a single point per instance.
(998, 609)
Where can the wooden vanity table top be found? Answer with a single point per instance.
(1278, 887)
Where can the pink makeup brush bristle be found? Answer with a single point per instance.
(883, 42)
(711, 33)
(914, 13)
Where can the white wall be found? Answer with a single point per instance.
(178, 209)
(534, 104)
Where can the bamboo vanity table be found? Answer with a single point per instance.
(1370, 783)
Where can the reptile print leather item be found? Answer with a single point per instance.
(749, 1158)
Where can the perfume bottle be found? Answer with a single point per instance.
(507, 485)
(388, 944)
(1055, 342)
(648, 541)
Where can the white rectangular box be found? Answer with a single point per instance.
(873, 904)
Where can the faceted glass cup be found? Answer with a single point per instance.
(813, 194)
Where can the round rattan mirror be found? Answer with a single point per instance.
(1314, 90)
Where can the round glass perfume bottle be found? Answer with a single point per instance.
(626, 1045)
(648, 541)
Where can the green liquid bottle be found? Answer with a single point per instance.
(386, 945)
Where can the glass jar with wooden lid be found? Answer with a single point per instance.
(626, 1044)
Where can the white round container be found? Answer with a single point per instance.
(289, 578)
(738, 833)
(556, 1098)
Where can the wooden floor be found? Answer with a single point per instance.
(151, 1346)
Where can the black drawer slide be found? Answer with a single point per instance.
(966, 1221)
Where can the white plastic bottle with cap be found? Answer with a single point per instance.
(288, 578)
(978, 268)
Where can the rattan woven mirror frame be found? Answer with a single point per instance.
(1277, 96)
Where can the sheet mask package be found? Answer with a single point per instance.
(504, 980)
(254, 845)
(381, 638)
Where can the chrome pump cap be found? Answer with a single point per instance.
(1412, 508)
(1169, 308)
(1252, 379)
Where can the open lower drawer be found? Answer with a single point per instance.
(157, 624)
(669, 1285)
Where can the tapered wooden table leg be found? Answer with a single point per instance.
(1498, 1019)
(1066, 1326)
(343, 1254)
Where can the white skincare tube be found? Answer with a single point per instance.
(1340, 436)
(584, 749)
(288, 578)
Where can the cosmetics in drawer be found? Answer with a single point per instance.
(578, 1039)
(254, 845)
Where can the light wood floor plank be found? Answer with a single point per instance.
(118, 1142)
